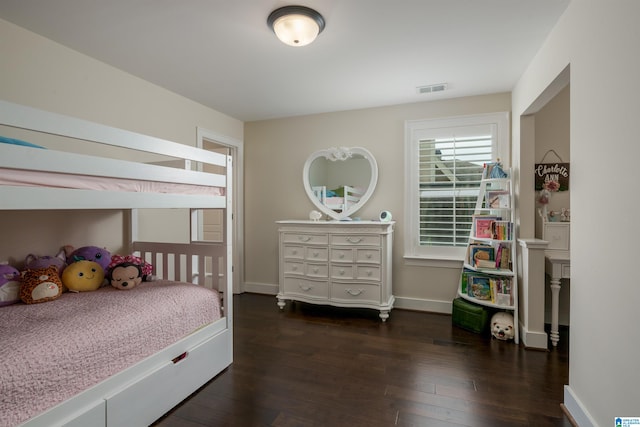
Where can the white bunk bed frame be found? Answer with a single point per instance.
(142, 393)
(351, 197)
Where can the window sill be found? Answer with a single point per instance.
(432, 261)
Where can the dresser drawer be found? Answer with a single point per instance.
(313, 253)
(293, 252)
(355, 239)
(306, 288)
(317, 270)
(292, 267)
(368, 256)
(342, 255)
(355, 293)
(342, 271)
(368, 272)
(307, 238)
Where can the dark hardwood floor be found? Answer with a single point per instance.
(321, 366)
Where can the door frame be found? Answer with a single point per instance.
(236, 150)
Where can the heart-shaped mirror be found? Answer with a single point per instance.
(340, 180)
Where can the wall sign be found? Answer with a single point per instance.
(546, 172)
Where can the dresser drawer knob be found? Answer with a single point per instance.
(369, 273)
(304, 238)
(294, 252)
(316, 254)
(354, 239)
(368, 256)
(341, 272)
(294, 268)
(354, 292)
(341, 256)
(316, 269)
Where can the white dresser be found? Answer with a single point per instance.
(339, 263)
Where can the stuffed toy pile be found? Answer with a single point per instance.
(85, 269)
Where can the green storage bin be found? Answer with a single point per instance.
(470, 316)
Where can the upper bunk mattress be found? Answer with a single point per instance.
(30, 178)
(54, 350)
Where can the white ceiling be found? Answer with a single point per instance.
(372, 52)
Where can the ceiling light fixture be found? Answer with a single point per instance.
(296, 25)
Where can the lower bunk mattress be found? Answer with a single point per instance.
(54, 350)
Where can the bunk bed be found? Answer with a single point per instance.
(114, 386)
(340, 199)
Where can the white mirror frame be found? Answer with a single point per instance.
(338, 154)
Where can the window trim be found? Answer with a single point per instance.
(416, 130)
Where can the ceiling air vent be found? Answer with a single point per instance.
(432, 88)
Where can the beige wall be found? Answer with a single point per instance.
(599, 40)
(40, 73)
(276, 151)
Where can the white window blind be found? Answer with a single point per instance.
(450, 170)
(444, 159)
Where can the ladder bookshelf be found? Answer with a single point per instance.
(489, 277)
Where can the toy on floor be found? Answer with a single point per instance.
(502, 326)
(83, 276)
(40, 285)
(9, 285)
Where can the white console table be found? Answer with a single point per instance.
(557, 265)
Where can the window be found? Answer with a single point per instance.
(444, 160)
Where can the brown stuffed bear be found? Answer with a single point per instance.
(40, 285)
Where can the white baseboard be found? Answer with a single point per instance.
(531, 339)
(260, 288)
(576, 409)
(433, 306)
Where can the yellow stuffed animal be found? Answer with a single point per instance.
(83, 276)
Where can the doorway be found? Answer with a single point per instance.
(210, 223)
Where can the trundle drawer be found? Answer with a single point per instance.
(355, 292)
(93, 417)
(306, 288)
(140, 403)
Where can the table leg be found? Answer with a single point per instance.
(555, 304)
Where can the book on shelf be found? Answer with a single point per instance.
(479, 287)
(488, 263)
(483, 225)
(501, 291)
(498, 199)
(481, 252)
(502, 230)
(503, 257)
(485, 287)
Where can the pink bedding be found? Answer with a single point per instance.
(87, 182)
(52, 351)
